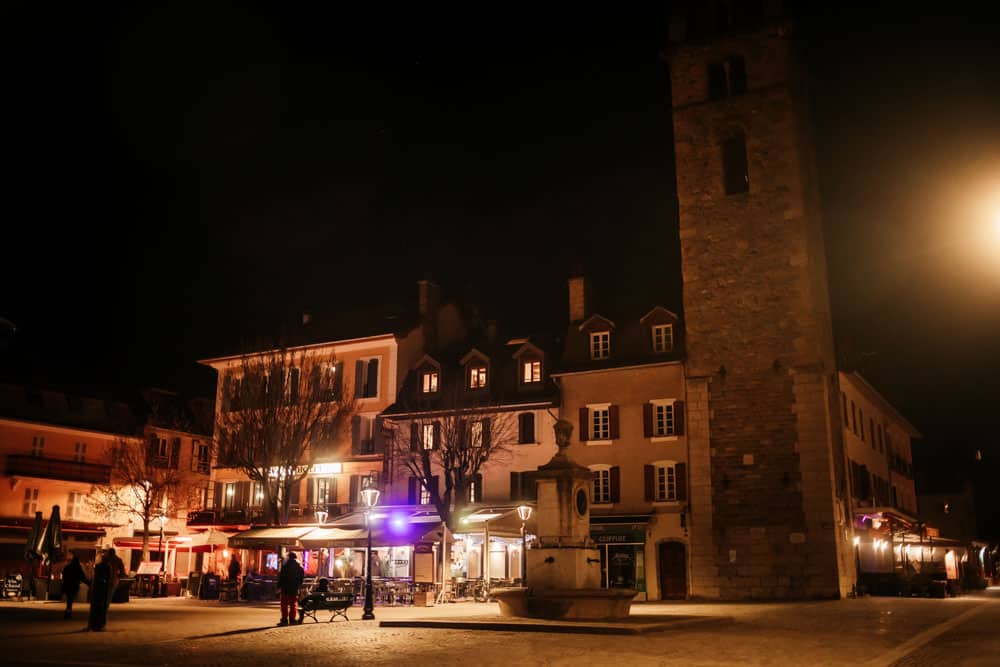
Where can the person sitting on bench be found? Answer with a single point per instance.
(315, 599)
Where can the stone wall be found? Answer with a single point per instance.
(759, 335)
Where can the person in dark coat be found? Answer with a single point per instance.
(315, 598)
(290, 577)
(72, 576)
(100, 595)
(117, 566)
(234, 569)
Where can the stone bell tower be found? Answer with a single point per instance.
(767, 491)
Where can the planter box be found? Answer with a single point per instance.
(424, 599)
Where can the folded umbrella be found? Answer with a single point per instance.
(50, 545)
(34, 537)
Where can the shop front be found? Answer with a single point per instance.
(623, 554)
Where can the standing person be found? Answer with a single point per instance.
(234, 569)
(289, 579)
(100, 594)
(117, 566)
(72, 576)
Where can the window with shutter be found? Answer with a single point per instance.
(602, 484)
(526, 428)
(515, 486)
(371, 384)
(616, 484)
(664, 481)
(613, 422)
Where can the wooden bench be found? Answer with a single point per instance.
(337, 603)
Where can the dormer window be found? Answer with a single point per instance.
(600, 345)
(477, 377)
(531, 371)
(663, 338)
(429, 382)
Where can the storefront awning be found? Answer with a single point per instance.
(269, 538)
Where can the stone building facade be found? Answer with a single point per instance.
(768, 500)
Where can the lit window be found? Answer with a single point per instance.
(322, 490)
(477, 377)
(472, 492)
(663, 419)
(425, 495)
(665, 482)
(476, 434)
(532, 372)
(257, 494)
(80, 452)
(602, 486)
(74, 505)
(427, 439)
(663, 338)
(30, 502)
(600, 345)
(38, 446)
(600, 424)
(429, 382)
(229, 495)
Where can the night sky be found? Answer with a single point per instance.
(179, 180)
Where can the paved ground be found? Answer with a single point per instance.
(877, 631)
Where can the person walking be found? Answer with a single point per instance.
(72, 576)
(289, 579)
(117, 566)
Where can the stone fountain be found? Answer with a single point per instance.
(564, 566)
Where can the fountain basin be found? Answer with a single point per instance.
(589, 604)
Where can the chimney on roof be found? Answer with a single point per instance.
(429, 297)
(428, 303)
(577, 298)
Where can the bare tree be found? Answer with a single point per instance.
(453, 443)
(147, 482)
(278, 408)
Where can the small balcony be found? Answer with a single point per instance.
(25, 465)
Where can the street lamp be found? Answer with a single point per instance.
(320, 520)
(163, 558)
(524, 511)
(369, 496)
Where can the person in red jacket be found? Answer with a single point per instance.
(289, 580)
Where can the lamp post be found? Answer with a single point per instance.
(320, 520)
(369, 496)
(524, 511)
(163, 558)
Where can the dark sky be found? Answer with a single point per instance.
(178, 179)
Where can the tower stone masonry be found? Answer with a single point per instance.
(767, 490)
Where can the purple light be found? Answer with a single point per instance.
(398, 523)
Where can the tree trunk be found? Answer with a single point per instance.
(145, 539)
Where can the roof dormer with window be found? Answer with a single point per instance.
(476, 367)
(530, 366)
(599, 334)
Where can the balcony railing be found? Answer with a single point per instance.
(26, 465)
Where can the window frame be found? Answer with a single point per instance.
(478, 376)
(531, 371)
(429, 382)
(601, 482)
(668, 330)
(593, 410)
(427, 436)
(669, 424)
(600, 344)
(30, 502)
(667, 466)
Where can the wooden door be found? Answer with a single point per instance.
(673, 571)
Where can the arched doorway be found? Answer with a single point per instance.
(673, 571)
